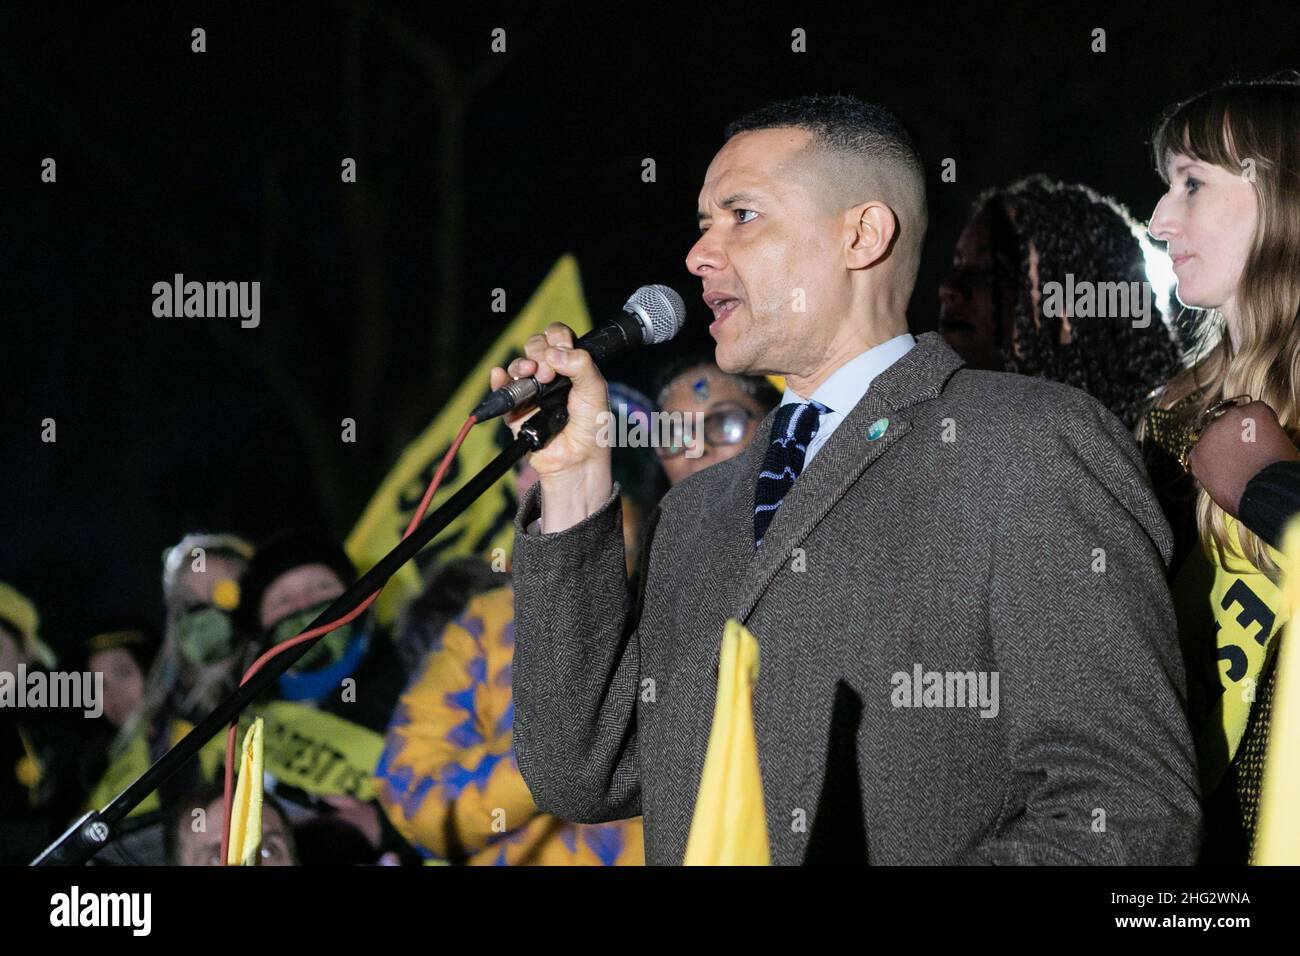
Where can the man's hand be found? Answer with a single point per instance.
(1234, 448)
(573, 469)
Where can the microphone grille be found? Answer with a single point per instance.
(661, 310)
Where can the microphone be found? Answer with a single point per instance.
(654, 314)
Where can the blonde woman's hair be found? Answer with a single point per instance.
(1250, 129)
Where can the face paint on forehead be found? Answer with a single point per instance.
(700, 389)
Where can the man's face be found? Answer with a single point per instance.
(768, 255)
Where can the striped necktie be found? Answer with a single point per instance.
(793, 429)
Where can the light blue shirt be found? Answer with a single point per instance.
(840, 393)
(846, 386)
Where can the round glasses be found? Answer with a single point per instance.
(726, 426)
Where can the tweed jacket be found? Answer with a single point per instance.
(967, 647)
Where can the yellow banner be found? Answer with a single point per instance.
(486, 525)
(303, 747)
(318, 752)
(1251, 612)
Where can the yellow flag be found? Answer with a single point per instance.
(486, 525)
(729, 827)
(246, 813)
(1277, 836)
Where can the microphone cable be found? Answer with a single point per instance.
(232, 732)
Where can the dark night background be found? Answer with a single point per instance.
(475, 171)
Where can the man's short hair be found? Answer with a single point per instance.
(875, 157)
(840, 123)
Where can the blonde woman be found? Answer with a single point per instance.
(194, 669)
(1221, 436)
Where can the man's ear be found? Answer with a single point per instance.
(872, 227)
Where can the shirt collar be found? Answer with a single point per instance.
(848, 383)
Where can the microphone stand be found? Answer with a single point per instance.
(93, 831)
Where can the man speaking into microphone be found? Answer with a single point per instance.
(956, 578)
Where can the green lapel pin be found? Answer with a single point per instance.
(877, 428)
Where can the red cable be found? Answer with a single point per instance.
(229, 793)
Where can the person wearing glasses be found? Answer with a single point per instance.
(732, 406)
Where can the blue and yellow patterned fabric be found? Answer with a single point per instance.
(448, 778)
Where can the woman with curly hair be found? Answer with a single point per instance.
(1221, 439)
(1002, 308)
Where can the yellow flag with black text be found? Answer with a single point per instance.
(486, 525)
(730, 825)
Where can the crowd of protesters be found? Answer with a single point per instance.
(394, 743)
(416, 716)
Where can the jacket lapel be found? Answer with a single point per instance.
(916, 377)
(728, 524)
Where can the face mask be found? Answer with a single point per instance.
(205, 636)
(328, 650)
(336, 656)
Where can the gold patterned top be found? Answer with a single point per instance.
(1173, 429)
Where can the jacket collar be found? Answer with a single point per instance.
(918, 376)
(845, 387)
